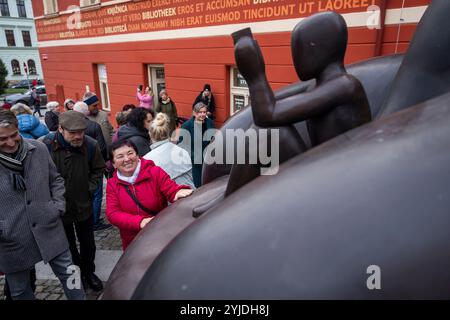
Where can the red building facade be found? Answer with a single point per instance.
(113, 46)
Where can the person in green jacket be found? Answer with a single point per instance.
(167, 106)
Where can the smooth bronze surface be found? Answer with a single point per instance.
(425, 71)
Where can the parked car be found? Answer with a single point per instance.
(25, 97)
(23, 84)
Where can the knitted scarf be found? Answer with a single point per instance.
(14, 162)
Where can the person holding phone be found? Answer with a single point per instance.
(145, 99)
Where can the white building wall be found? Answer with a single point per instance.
(19, 52)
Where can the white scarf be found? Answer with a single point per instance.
(133, 177)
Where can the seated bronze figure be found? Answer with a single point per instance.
(336, 104)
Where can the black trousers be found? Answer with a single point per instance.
(37, 109)
(85, 233)
(197, 174)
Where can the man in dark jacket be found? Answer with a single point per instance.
(196, 128)
(102, 118)
(99, 116)
(79, 161)
(94, 130)
(32, 199)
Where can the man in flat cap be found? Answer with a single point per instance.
(79, 161)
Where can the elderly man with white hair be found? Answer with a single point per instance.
(93, 130)
(52, 115)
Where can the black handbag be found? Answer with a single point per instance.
(153, 213)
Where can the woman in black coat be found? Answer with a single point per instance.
(52, 116)
(136, 130)
(207, 98)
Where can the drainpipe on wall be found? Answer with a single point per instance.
(380, 32)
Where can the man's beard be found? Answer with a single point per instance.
(76, 144)
(94, 112)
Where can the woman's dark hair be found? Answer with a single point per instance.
(119, 144)
(137, 117)
(128, 107)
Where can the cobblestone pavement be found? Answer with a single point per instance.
(48, 289)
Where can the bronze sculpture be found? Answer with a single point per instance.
(336, 104)
(378, 194)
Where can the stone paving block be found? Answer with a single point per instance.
(41, 296)
(59, 289)
(50, 289)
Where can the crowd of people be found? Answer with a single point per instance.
(53, 177)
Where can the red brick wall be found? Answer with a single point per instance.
(190, 63)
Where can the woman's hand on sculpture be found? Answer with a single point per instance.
(182, 193)
(145, 221)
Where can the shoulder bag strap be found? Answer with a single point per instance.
(138, 203)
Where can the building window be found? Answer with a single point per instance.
(4, 8)
(240, 95)
(26, 38)
(10, 38)
(85, 3)
(21, 8)
(50, 6)
(157, 80)
(31, 67)
(15, 66)
(103, 82)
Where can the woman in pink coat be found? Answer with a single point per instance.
(146, 99)
(137, 191)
